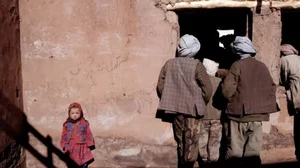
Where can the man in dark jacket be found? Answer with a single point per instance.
(184, 89)
(250, 92)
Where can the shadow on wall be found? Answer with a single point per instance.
(21, 136)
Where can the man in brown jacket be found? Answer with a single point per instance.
(250, 92)
(184, 89)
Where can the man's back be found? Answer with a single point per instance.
(255, 90)
(291, 65)
(181, 92)
(290, 78)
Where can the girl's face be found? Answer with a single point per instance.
(74, 113)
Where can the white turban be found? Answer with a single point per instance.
(188, 46)
(210, 66)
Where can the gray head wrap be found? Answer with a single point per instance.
(243, 47)
(188, 46)
(287, 49)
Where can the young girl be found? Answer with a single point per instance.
(77, 138)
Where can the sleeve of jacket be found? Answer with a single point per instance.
(283, 72)
(203, 81)
(274, 86)
(161, 80)
(89, 137)
(64, 137)
(230, 82)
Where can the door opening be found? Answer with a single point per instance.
(290, 27)
(216, 29)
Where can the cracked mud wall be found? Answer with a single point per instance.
(107, 56)
(11, 154)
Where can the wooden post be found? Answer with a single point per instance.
(288, 4)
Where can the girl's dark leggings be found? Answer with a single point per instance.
(83, 166)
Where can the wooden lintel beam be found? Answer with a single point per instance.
(232, 4)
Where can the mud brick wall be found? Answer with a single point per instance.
(11, 155)
(107, 55)
(267, 28)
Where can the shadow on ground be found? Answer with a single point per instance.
(282, 165)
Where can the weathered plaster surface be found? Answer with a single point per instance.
(10, 85)
(107, 56)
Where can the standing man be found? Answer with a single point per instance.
(290, 79)
(184, 89)
(250, 92)
(210, 127)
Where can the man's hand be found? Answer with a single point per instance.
(222, 73)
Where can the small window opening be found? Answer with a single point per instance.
(223, 33)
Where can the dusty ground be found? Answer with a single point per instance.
(116, 152)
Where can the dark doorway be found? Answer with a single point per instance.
(290, 27)
(204, 23)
